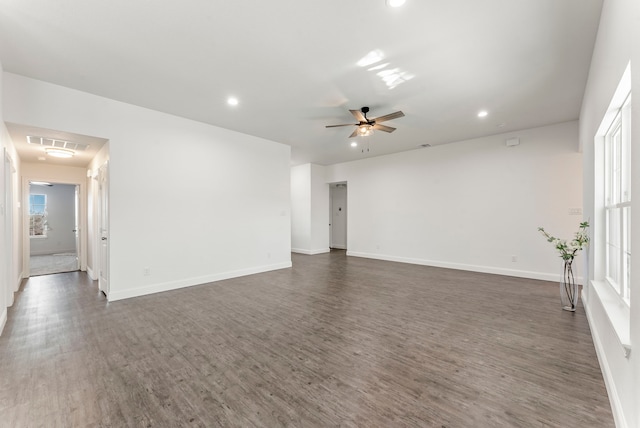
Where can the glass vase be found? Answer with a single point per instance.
(568, 287)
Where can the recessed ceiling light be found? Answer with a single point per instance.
(483, 113)
(59, 153)
(395, 3)
(232, 101)
(354, 144)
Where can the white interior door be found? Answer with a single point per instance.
(76, 226)
(103, 221)
(11, 278)
(338, 195)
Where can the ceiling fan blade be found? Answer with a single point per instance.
(346, 124)
(358, 115)
(354, 133)
(383, 128)
(389, 116)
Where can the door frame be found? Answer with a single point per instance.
(13, 281)
(346, 231)
(82, 223)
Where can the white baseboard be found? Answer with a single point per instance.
(614, 399)
(189, 282)
(310, 252)
(90, 273)
(3, 319)
(461, 266)
(20, 278)
(50, 252)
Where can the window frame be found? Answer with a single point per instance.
(617, 201)
(41, 212)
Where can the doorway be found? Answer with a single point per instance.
(53, 214)
(338, 207)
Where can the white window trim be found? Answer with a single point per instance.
(615, 306)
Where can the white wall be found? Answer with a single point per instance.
(309, 209)
(616, 45)
(301, 208)
(469, 205)
(60, 220)
(319, 210)
(192, 202)
(10, 242)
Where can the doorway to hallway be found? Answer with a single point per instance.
(338, 207)
(53, 228)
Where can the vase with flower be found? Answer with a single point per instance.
(568, 250)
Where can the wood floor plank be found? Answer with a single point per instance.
(333, 341)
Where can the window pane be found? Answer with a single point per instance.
(615, 166)
(37, 204)
(607, 170)
(625, 161)
(626, 252)
(613, 246)
(37, 199)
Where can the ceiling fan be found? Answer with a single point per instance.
(365, 126)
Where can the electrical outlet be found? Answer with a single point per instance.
(147, 271)
(514, 259)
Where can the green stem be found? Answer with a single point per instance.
(569, 282)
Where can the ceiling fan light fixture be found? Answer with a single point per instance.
(365, 130)
(59, 153)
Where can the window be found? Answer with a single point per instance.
(617, 201)
(37, 216)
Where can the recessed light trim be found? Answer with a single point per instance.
(483, 113)
(354, 144)
(395, 3)
(233, 101)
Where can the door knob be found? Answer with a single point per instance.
(103, 238)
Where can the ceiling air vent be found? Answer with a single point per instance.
(59, 144)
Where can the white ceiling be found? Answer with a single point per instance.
(292, 63)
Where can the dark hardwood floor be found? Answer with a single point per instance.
(334, 341)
